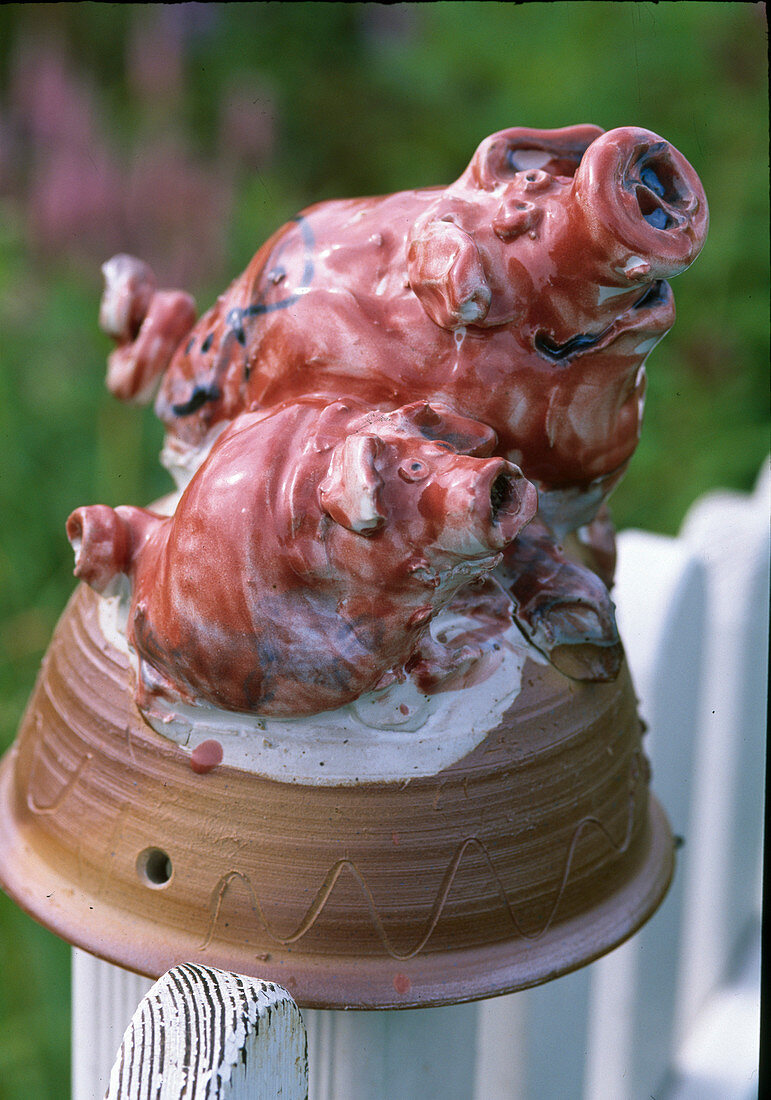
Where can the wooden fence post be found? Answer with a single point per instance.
(660, 593)
(408, 1053)
(730, 534)
(700, 667)
(104, 998)
(203, 1033)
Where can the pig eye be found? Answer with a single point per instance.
(414, 470)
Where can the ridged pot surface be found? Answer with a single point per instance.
(533, 855)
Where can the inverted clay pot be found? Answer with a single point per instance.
(538, 851)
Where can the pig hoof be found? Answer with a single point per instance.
(595, 663)
(134, 368)
(434, 671)
(129, 285)
(580, 640)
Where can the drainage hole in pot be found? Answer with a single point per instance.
(154, 867)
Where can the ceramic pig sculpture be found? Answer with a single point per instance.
(308, 555)
(526, 295)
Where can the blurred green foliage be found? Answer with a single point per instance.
(352, 99)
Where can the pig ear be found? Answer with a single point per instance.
(446, 273)
(437, 421)
(349, 493)
(557, 152)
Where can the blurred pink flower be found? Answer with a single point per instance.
(154, 60)
(71, 202)
(176, 211)
(52, 106)
(248, 125)
(83, 199)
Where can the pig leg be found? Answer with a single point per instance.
(596, 545)
(154, 684)
(435, 663)
(101, 541)
(561, 606)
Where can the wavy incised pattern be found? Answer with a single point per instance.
(319, 903)
(70, 783)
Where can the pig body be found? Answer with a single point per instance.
(527, 298)
(308, 554)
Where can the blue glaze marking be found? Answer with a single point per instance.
(652, 181)
(234, 322)
(197, 399)
(658, 218)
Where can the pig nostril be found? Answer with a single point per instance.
(658, 219)
(659, 177)
(502, 495)
(652, 181)
(652, 212)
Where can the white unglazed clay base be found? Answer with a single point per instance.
(392, 735)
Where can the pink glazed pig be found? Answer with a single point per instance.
(308, 554)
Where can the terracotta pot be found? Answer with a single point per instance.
(537, 852)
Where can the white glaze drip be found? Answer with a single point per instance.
(459, 335)
(392, 735)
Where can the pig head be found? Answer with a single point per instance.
(308, 554)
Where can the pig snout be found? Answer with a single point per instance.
(643, 204)
(513, 503)
(487, 505)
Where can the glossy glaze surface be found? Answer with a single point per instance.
(308, 555)
(527, 295)
(348, 424)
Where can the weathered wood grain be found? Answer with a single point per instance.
(203, 1033)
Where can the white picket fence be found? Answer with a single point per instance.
(672, 1014)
